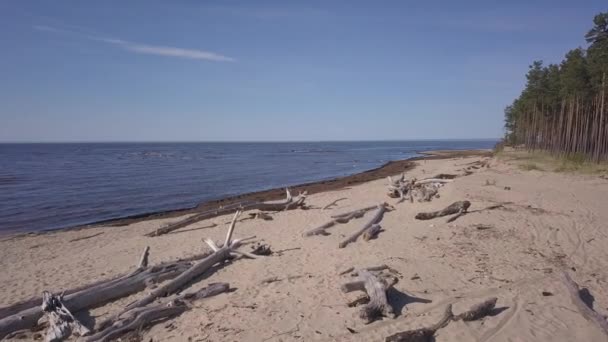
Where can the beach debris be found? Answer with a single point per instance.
(375, 285)
(587, 312)
(25, 315)
(372, 232)
(333, 203)
(381, 209)
(341, 218)
(228, 250)
(261, 249)
(459, 208)
(145, 316)
(423, 334)
(399, 187)
(478, 311)
(61, 321)
(483, 226)
(424, 189)
(427, 334)
(445, 176)
(86, 237)
(288, 203)
(371, 269)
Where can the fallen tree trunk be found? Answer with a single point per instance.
(454, 208)
(97, 294)
(35, 301)
(288, 203)
(141, 317)
(61, 321)
(587, 312)
(227, 251)
(381, 208)
(376, 288)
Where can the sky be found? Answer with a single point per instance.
(272, 70)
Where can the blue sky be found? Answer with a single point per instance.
(272, 70)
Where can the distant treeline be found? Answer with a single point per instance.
(564, 108)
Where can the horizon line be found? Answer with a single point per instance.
(238, 141)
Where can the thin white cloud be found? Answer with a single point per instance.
(157, 50)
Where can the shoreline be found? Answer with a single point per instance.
(387, 169)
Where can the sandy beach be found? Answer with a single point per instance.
(548, 223)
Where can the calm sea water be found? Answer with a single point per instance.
(51, 186)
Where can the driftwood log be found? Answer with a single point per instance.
(226, 251)
(143, 316)
(423, 334)
(362, 210)
(381, 208)
(476, 312)
(586, 311)
(375, 287)
(454, 208)
(61, 321)
(93, 295)
(321, 230)
(372, 232)
(288, 203)
(333, 203)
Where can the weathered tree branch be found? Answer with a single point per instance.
(95, 294)
(454, 208)
(333, 203)
(423, 334)
(342, 219)
(381, 208)
(143, 316)
(587, 312)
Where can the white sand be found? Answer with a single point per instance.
(521, 256)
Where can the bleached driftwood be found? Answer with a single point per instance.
(586, 311)
(226, 251)
(374, 220)
(354, 212)
(220, 254)
(426, 193)
(433, 180)
(454, 208)
(342, 219)
(423, 334)
(289, 202)
(93, 295)
(376, 288)
(333, 203)
(372, 232)
(143, 316)
(476, 312)
(61, 321)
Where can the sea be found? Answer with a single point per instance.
(47, 186)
